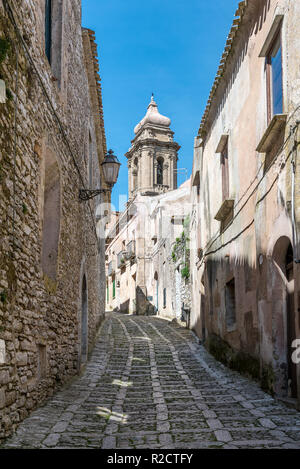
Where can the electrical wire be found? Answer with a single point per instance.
(15, 150)
(292, 130)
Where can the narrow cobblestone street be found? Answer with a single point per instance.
(149, 384)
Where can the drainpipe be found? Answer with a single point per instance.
(294, 227)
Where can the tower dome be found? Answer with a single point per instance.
(153, 117)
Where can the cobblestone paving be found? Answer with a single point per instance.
(149, 384)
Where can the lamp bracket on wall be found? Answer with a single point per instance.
(87, 194)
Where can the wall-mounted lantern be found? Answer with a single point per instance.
(110, 166)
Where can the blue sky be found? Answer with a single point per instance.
(169, 47)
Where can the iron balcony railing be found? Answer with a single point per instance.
(120, 259)
(130, 248)
(111, 268)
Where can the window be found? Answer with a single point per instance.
(225, 172)
(225, 212)
(164, 297)
(53, 36)
(230, 303)
(274, 78)
(48, 28)
(114, 288)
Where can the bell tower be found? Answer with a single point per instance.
(152, 157)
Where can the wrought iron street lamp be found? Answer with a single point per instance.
(110, 166)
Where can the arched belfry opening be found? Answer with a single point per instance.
(84, 320)
(135, 174)
(152, 158)
(160, 171)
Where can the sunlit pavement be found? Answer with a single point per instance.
(149, 384)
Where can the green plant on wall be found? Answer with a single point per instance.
(186, 223)
(4, 48)
(185, 272)
(180, 247)
(9, 94)
(3, 296)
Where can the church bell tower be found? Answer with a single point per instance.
(152, 157)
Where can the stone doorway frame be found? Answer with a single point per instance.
(282, 300)
(83, 317)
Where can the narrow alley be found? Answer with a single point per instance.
(150, 384)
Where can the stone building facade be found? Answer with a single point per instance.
(52, 142)
(245, 202)
(147, 249)
(142, 276)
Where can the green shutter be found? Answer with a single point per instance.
(114, 288)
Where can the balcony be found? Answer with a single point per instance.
(225, 213)
(272, 133)
(129, 254)
(111, 269)
(161, 188)
(131, 248)
(225, 210)
(120, 260)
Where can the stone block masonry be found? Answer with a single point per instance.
(51, 297)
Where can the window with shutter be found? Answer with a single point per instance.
(48, 28)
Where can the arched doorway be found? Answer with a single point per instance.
(291, 326)
(156, 291)
(202, 307)
(283, 318)
(84, 320)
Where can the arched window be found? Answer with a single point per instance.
(51, 218)
(159, 171)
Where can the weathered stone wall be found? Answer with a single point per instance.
(40, 317)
